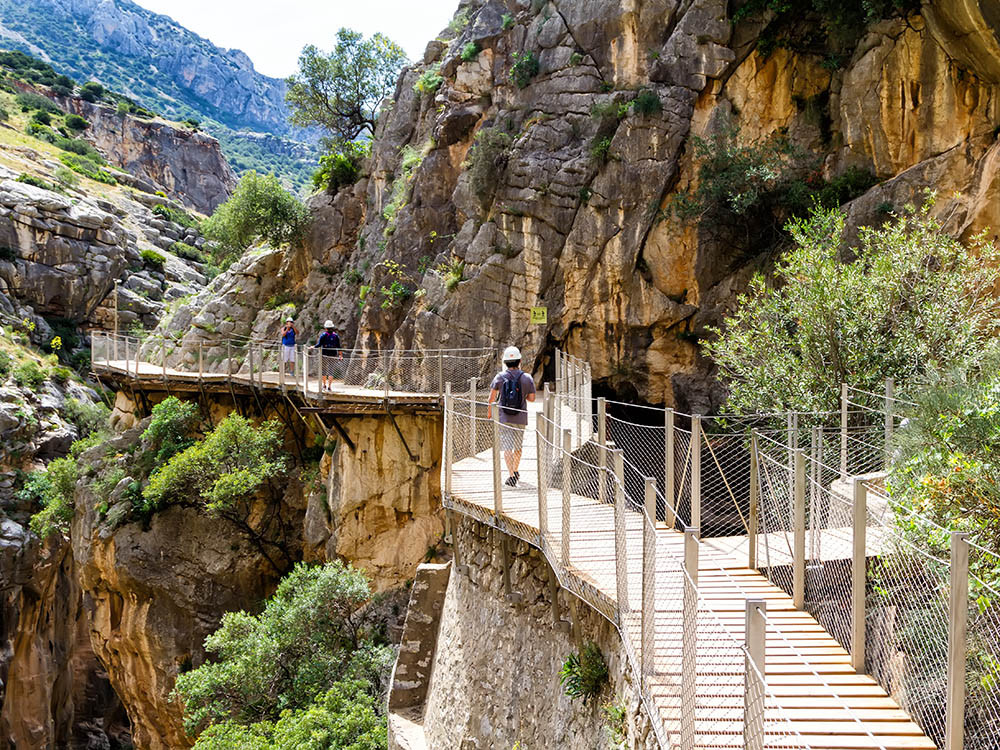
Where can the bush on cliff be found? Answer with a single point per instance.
(307, 672)
(908, 298)
(259, 210)
(341, 167)
(171, 428)
(52, 489)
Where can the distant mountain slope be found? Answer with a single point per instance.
(165, 66)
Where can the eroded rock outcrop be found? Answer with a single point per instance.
(575, 211)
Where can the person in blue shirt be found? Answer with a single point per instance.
(288, 346)
(329, 345)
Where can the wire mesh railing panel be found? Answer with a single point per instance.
(906, 626)
(982, 702)
(774, 545)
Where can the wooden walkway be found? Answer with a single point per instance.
(818, 699)
(150, 376)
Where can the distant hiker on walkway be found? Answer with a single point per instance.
(288, 345)
(511, 390)
(329, 343)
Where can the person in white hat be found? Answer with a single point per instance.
(288, 333)
(329, 344)
(511, 390)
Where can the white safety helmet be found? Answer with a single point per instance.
(328, 324)
(511, 354)
(289, 319)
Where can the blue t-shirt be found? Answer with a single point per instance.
(329, 343)
(288, 337)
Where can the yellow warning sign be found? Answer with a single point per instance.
(539, 315)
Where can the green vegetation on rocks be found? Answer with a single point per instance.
(260, 209)
(308, 672)
(908, 298)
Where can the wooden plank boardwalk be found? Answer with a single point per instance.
(817, 700)
(151, 375)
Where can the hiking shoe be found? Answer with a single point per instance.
(511, 481)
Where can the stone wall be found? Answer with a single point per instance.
(495, 680)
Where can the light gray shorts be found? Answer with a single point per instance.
(511, 437)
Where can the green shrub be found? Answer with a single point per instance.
(193, 124)
(524, 68)
(342, 167)
(153, 259)
(399, 194)
(575, 59)
(310, 639)
(430, 80)
(53, 489)
(29, 375)
(353, 276)
(188, 252)
(5, 361)
(75, 122)
(28, 102)
(899, 306)
(66, 177)
(38, 182)
(260, 208)
(647, 103)
(79, 147)
(88, 168)
(600, 149)
(453, 272)
(41, 117)
(507, 21)
(92, 92)
(87, 417)
(61, 374)
(470, 51)
(487, 160)
(223, 471)
(176, 215)
(171, 428)
(8, 254)
(584, 675)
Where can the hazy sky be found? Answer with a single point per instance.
(273, 33)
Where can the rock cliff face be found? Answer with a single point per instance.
(495, 677)
(151, 57)
(155, 591)
(571, 207)
(187, 165)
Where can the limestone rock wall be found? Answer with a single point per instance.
(156, 591)
(495, 676)
(628, 286)
(186, 164)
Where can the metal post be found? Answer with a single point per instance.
(668, 468)
(449, 438)
(441, 374)
(799, 525)
(696, 471)
(567, 475)
(648, 624)
(201, 362)
(816, 446)
(754, 664)
(602, 451)
(497, 480)
(548, 408)
(543, 488)
(126, 357)
(889, 400)
(138, 349)
(250, 360)
(859, 561)
(229, 360)
(472, 416)
(558, 368)
(958, 615)
(689, 646)
(163, 358)
(843, 431)
(621, 550)
(754, 502)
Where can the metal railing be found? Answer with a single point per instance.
(307, 371)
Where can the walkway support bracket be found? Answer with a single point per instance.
(689, 645)
(753, 697)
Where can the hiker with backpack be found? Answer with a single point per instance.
(288, 345)
(333, 355)
(511, 390)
